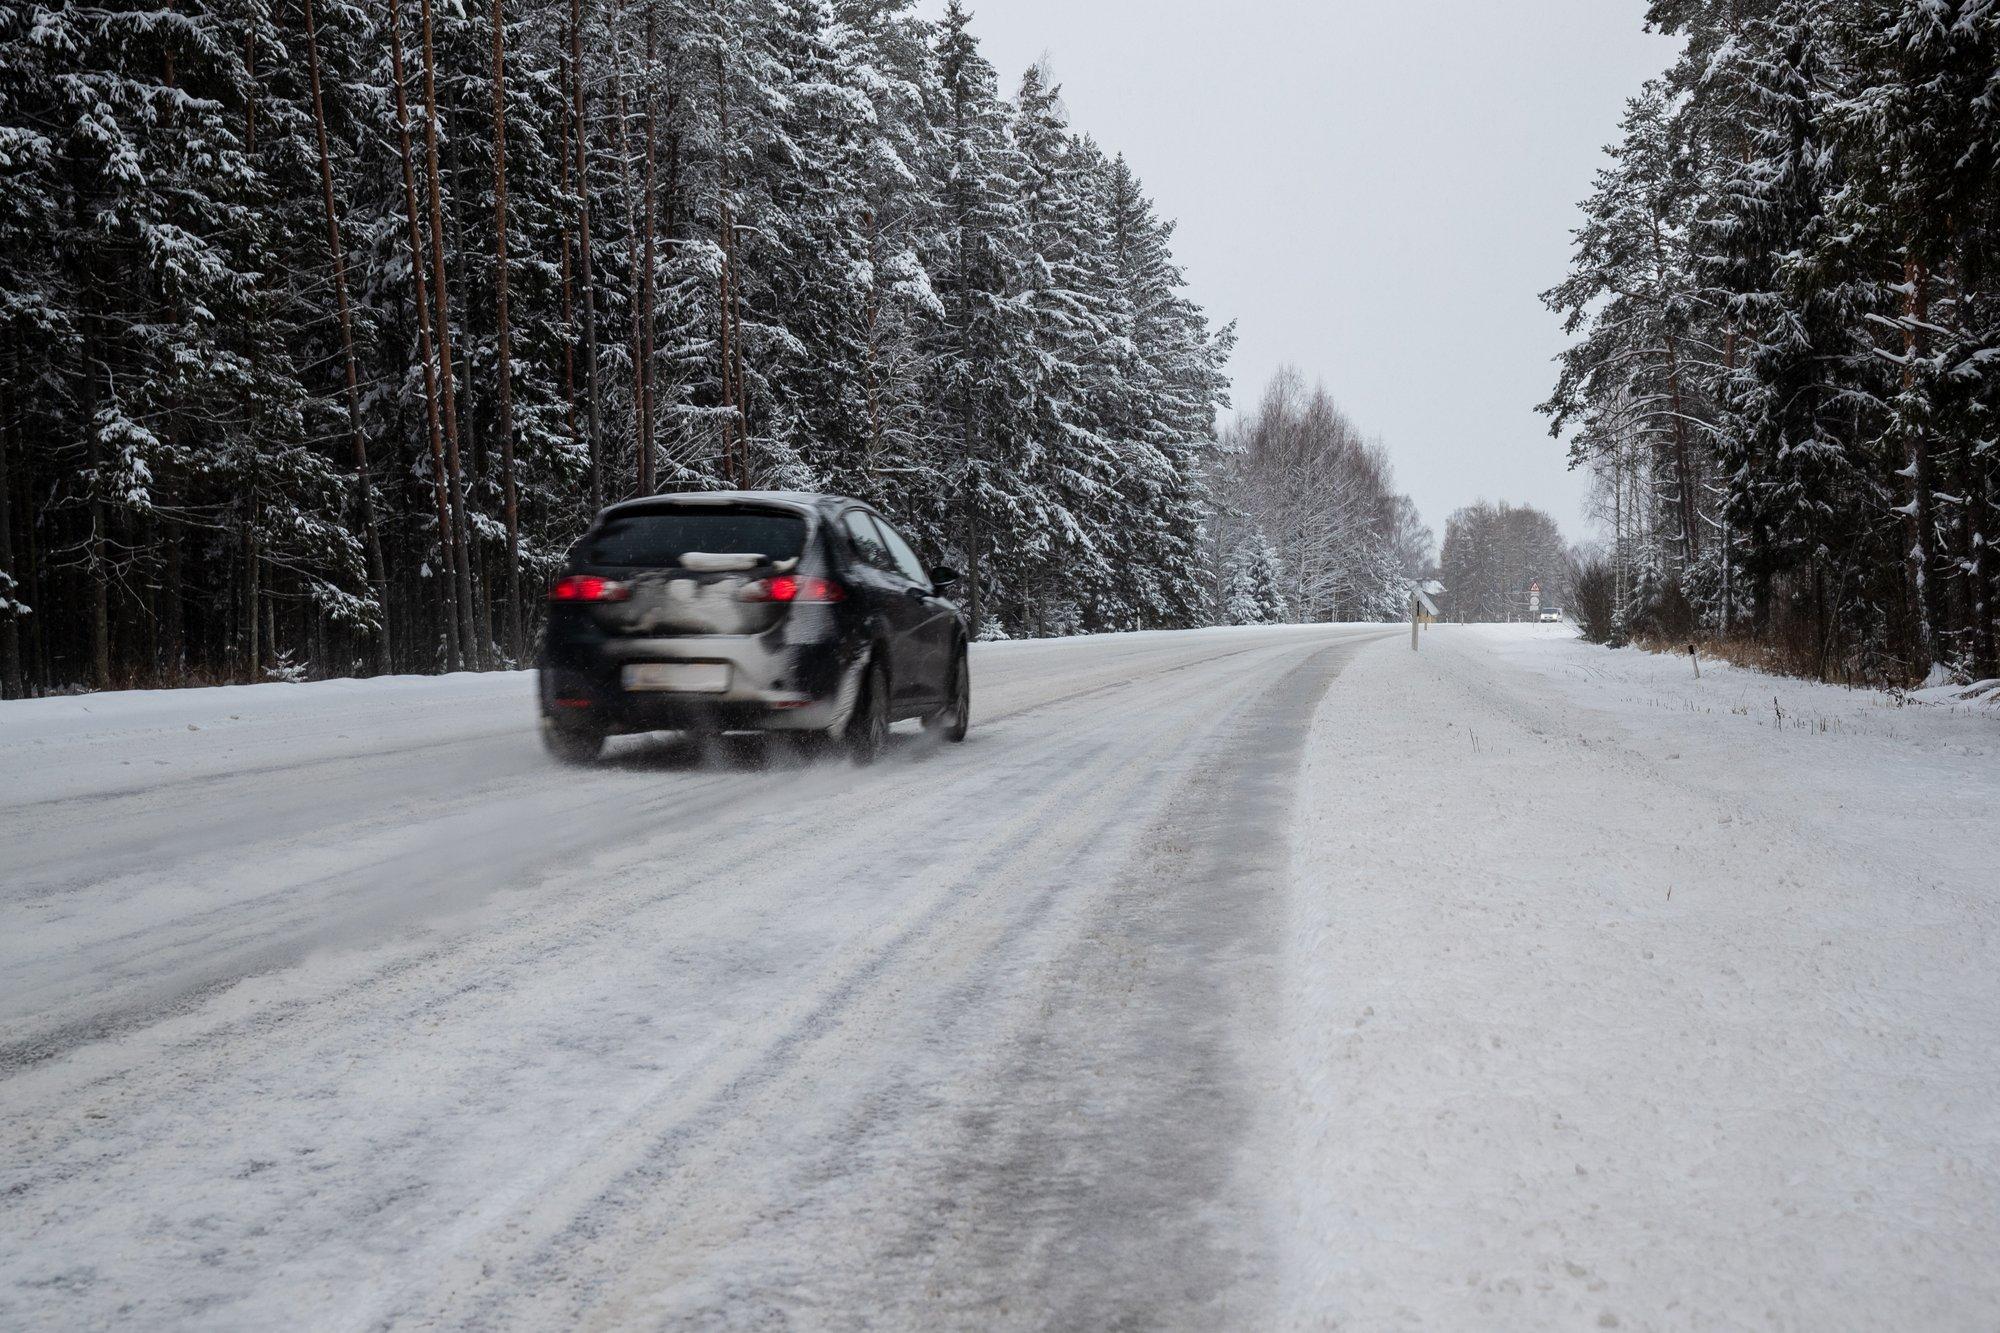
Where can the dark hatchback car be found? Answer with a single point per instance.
(749, 611)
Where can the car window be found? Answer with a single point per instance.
(906, 560)
(866, 539)
(659, 539)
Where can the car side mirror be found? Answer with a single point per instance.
(942, 578)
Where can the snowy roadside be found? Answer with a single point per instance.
(126, 740)
(1627, 1000)
(91, 744)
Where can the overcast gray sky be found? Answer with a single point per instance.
(1374, 191)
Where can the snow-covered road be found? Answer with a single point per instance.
(1233, 979)
(343, 1002)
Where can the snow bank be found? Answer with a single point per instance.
(1979, 692)
(1630, 1000)
(92, 744)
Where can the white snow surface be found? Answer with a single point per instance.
(1260, 978)
(1623, 999)
(135, 740)
(342, 1006)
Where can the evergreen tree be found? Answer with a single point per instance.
(1255, 592)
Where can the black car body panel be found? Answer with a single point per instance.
(689, 645)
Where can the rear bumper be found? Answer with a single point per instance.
(773, 686)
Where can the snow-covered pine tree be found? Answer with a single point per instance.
(1065, 283)
(980, 358)
(1254, 593)
(890, 59)
(1804, 392)
(1164, 382)
(1645, 362)
(808, 242)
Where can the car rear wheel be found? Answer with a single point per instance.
(952, 720)
(868, 729)
(571, 745)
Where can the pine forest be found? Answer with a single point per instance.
(1785, 311)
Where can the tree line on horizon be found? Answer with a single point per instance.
(326, 327)
(1307, 523)
(1493, 558)
(1785, 304)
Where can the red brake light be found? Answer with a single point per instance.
(588, 588)
(793, 588)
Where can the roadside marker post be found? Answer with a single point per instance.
(1422, 610)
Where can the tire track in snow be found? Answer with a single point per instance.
(598, 1211)
(158, 969)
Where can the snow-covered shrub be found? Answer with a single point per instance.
(1591, 597)
(283, 668)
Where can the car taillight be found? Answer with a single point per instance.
(792, 588)
(589, 588)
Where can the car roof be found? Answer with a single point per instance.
(801, 500)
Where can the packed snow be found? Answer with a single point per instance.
(1627, 999)
(1244, 978)
(345, 1000)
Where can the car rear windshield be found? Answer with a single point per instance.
(659, 540)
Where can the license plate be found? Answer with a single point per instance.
(678, 677)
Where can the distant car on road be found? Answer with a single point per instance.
(1551, 615)
(749, 610)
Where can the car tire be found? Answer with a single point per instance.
(867, 730)
(952, 720)
(571, 745)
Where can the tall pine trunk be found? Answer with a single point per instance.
(440, 295)
(262, 648)
(1921, 511)
(253, 660)
(363, 488)
(448, 548)
(580, 130)
(35, 668)
(10, 586)
(639, 235)
(648, 482)
(504, 337)
(566, 245)
(96, 561)
(1687, 511)
(473, 438)
(734, 447)
(1968, 603)
(1984, 576)
(1683, 458)
(871, 457)
(173, 603)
